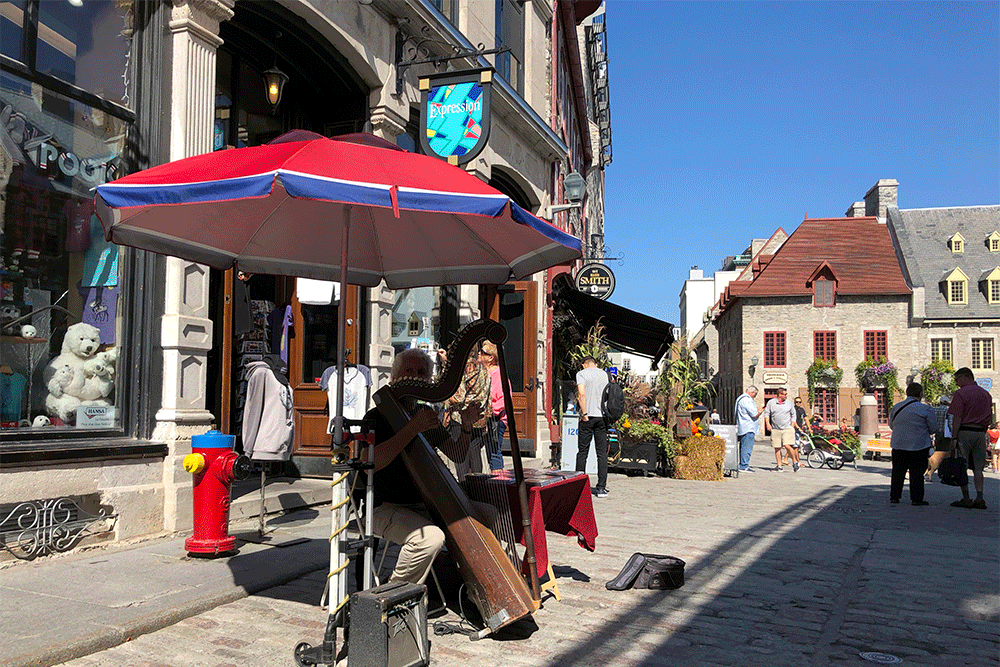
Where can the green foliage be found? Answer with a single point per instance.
(595, 346)
(682, 375)
(823, 373)
(885, 372)
(938, 379)
(645, 430)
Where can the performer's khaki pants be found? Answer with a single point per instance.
(411, 527)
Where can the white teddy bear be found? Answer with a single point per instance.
(99, 378)
(79, 345)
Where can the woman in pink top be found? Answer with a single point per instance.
(497, 424)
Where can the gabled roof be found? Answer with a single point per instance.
(857, 251)
(922, 236)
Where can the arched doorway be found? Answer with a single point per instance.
(323, 95)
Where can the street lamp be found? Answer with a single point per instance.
(573, 187)
(753, 365)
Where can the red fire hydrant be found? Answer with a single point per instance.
(215, 465)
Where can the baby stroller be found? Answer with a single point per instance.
(819, 450)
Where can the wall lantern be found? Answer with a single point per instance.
(573, 187)
(753, 365)
(274, 81)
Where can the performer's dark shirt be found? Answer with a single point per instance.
(393, 483)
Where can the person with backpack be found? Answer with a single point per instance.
(591, 382)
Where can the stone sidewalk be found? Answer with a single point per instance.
(809, 568)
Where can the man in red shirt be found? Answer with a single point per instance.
(972, 412)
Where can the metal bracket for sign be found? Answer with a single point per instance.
(615, 258)
(402, 66)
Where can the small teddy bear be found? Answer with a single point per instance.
(61, 379)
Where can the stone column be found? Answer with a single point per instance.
(186, 326)
(388, 123)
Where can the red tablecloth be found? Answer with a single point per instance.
(557, 501)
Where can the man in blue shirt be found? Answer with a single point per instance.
(747, 413)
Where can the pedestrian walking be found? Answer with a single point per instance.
(942, 437)
(779, 418)
(993, 440)
(913, 422)
(971, 411)
(747, 414)
(590, 383)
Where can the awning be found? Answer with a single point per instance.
(624, 329)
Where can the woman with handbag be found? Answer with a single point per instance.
(913, 423)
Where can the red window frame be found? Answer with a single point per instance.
(774, 349)
(824, 293)
(876, 345)
(825, 345)
(825, 405)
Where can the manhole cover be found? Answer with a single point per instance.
(881, 658)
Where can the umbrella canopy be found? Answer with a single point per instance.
(280, 209)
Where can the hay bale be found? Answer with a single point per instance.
(700, 457)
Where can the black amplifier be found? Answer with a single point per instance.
(388, 626)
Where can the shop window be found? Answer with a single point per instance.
(429, 317)
(825, 345)
(825, 405)
(876, 345)
(941, 349)
(982, 354)
(61, 281)
(774, 349)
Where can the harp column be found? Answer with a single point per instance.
(186, 325)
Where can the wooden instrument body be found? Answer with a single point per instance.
(494, 584)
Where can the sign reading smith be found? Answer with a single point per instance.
(595, 280)
(455, 114)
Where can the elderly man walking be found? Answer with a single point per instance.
(779, 417)
(747, 414)
(972, 411)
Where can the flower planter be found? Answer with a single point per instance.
(635, 456)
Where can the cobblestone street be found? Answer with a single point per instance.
(808, 568)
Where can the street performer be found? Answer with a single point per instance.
(399, 511)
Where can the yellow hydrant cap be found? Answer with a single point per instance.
(194, 463)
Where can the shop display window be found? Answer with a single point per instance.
(60, 280)
(430, 317)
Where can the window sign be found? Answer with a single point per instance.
(455, 114)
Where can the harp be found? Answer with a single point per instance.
(494, 584)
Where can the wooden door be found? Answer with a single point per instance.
(311, 350)
(515, 308)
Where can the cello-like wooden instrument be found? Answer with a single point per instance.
(494, 584)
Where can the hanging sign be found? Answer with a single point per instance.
(595, 280)
(455, 114)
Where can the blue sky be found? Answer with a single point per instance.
(731, 119)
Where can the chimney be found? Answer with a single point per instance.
(881, 196)
(857, 210)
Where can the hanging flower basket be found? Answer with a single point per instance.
(823, 373)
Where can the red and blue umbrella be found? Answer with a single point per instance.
(281, 208)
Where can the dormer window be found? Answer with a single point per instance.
(993, 241)
(990, 281)
(823, 282)
(956, 288)
(957, 244)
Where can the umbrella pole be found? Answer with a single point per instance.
(338, 560)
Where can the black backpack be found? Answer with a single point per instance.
(612, 402)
